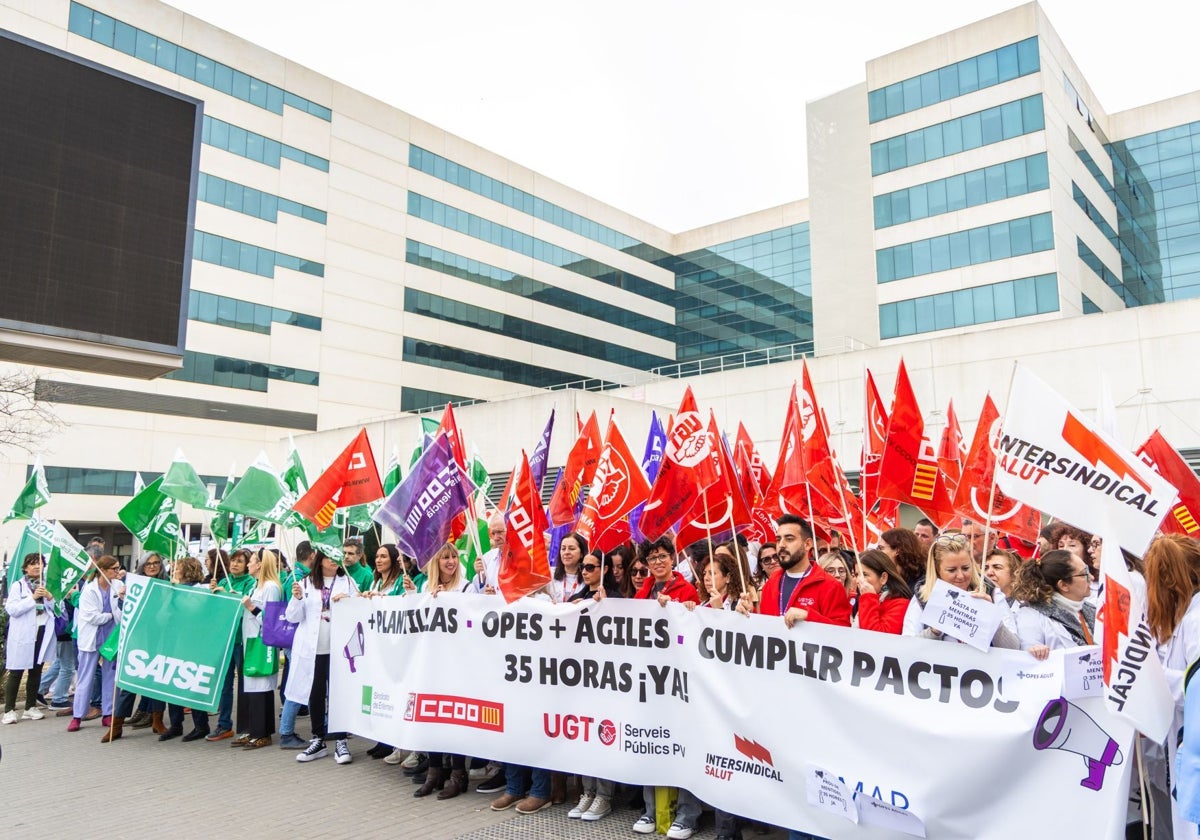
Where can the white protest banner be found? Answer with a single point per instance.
(1053, 459)
(732, 708)
(874, 811)
(960, 615)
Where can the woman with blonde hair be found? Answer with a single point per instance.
(950, 561)
(256, 703)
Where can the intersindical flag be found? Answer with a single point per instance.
(1164, 459)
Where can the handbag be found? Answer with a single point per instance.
(259, 659)
(277, 631)
(108, 650)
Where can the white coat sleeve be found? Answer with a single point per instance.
(20, 600)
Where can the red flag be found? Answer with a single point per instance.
(450, 426)
(950, 451)
(875, 427)
(579, 470)
(975, 489)
(687, 469)
(786, 492)
(617, 488)
(761, 527)
(909, 471)
(352, 479)
(524, 566)
(758, 469)
(726, 508)
(1165, 460)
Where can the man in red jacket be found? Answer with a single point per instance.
(800, 590)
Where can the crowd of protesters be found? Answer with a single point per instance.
(1048, 593)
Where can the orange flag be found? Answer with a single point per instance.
(726, 508)
(975, 490)
(687, 469)
(352, 479)
(1165, 460)
(617, 488)
(579, 470)
(524, 564)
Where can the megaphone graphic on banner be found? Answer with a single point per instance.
(354, 647)
(1064, 726)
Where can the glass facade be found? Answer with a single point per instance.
(418, 399)
(967, 247)
(256, 147)
(958, 192)
(252, 202)
(492, 367)
(992, 125)
(966, 76)
(93, 482)
(244, 315)
(749, 294)
(474, 271)
(966, 307)
(522, 243)
(510, 326)
(254, 259)
(227, 372)
(143, 45)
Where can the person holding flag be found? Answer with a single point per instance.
(96, 617)
(30, 638)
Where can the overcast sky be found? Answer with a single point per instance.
(681, 112)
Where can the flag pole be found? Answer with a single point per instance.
(862, 460)
(987, 524)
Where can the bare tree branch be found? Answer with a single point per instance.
(25, 423)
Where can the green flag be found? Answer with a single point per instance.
(480, 478)
(258, 534)
(163, 534)
(329, 541)
(293, 471)
(466, 546)
(260, 494)
(359, 518)
(143, 513)
(35, 494)
(176, 642)
(30, 543)
(391, 473)
(429, 426)
(68, 560)
(181, 482)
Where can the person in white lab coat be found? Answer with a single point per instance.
(98, 614)
(31, 639)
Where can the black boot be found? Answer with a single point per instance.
(172, 732)
(456, 785)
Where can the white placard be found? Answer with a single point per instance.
(828, 793)
(960, 615)
(1083, 673)
(874, 811)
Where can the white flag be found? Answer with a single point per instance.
(1050, 457)
(1135, 686)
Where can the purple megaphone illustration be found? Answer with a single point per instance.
(354, 647)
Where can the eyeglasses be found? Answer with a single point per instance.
(770, 558)
(953, 539)
(661, 557)
(589, 567)
(1084, 574)
(639, 571)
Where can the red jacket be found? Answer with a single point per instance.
(882, 616)
(823, 597)
(677, 589)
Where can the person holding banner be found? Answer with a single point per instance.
(1055, 613)
(801, 590)
(98, 613)
(447, 575)
(238, 581)
(31, 638)
(256, 703)
(619, 560)
(598, 580)
(883, 593)
(950, 560)
(571, 551)
(186, 571)
(720, 583)
(388, 578)
(664, 584)
(1001, 567)
(308, 679)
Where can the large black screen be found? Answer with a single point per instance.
(96, 176)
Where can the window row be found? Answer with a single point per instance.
(966, 76)
(539, 249)
(967, 307)
(982, 128)
(418, 399)
(103, 29)
(244, 315)
(508, 195)
(966, 247)
(254, 259)
(227, 372)
(95, 482)
(474, 271)
(510, 326)
(958, 192)
(256, 147)
(252, 202)
(1089, 258)
(481, 364)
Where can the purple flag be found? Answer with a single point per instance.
(422, 508)
(656, 441)
(541, 453)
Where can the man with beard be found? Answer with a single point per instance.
(801, 590)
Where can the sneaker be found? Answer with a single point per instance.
(73, 726)
(42, 703)
(59, 705)
(679, 831)
(533, 804)
(316, 749)
(291, 742)
(411, 760)
(12, 717)
(493, 783)
(341, 752)
(395, 758)
(220, 735)
(33, 714)
(600, 809)
(578, 811)
(644, 825)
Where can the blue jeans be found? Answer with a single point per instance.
(287, 719)
(517, 781)
(233, 675)
(60, 674)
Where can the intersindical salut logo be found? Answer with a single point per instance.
(753, 759)
(455, 710)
